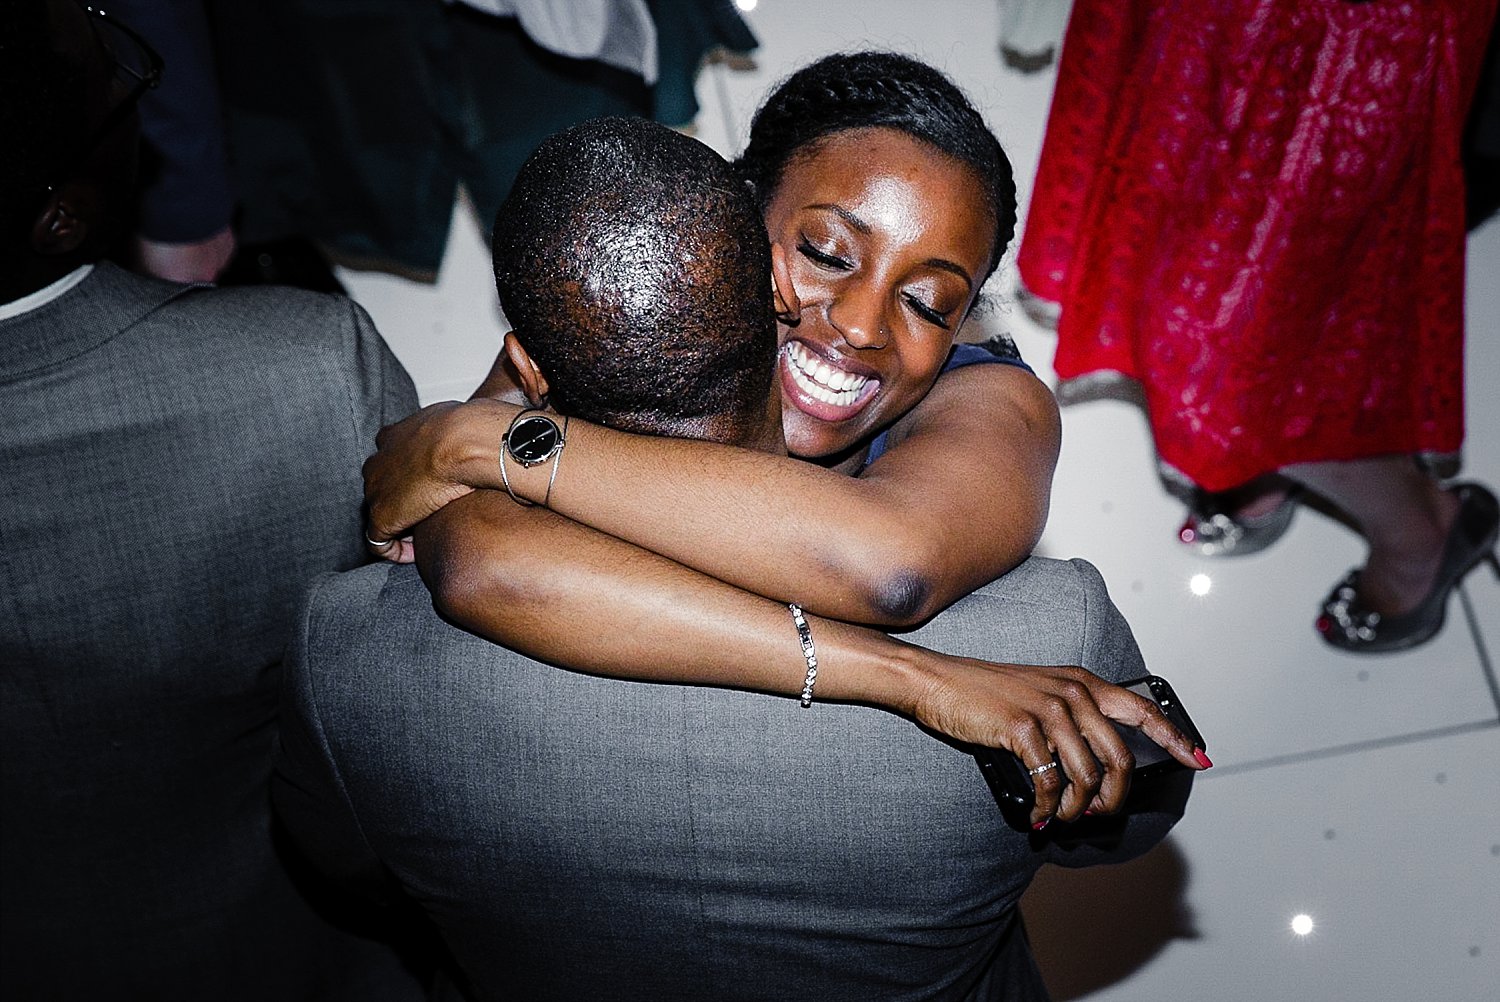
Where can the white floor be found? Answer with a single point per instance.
(1362, 792)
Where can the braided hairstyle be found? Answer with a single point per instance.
(861, 90)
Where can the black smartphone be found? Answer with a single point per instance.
(1011, 784)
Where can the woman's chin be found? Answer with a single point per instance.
(809, 436)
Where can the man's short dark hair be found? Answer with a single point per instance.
(636, 270)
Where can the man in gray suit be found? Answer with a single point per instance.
(575, 837)
(178, 462)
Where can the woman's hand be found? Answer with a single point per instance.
(1044, 713)
(424, 462)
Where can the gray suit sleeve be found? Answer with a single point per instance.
(1109, 648)
(1110, 651)
(380, 391)
(307, 789)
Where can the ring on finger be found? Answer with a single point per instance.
(1041, 769)
(379, 544)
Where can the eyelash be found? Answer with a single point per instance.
(827, 260)
(927, 312)
(833, 261)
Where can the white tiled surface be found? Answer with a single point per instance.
(1362, 791)
(1394, 853)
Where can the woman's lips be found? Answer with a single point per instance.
(819, 388)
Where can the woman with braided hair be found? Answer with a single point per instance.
(918, 470)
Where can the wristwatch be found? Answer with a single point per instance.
(533, 438)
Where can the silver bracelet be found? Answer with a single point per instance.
(505, 479)
(556, 459)
(809, 653)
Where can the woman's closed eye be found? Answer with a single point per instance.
(931, 314)
(822, 257)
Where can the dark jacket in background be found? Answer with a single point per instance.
(353, 123)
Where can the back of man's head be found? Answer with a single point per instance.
(636, 270)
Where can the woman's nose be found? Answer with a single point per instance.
(859, 317)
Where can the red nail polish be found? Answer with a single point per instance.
(1041, 824)
(1088, 814)
(1203, 759)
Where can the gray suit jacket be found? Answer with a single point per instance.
(178, 463)
(576, 837)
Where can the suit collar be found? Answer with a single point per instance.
(103, 304)
(45, 295)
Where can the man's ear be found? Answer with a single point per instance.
(788, 306)
(61, 227)
(533, 383)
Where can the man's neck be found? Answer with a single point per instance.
(771, 438)
(766, 436)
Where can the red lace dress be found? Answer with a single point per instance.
(1255, 209)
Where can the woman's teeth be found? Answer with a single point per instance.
(820, 380)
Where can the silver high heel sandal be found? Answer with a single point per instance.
(1346, 624)
(1215, 532)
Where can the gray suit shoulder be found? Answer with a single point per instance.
(1048, 581)
(1045, 611)
(264, 307)
(317, 345)
(295, 317)
(349, 617)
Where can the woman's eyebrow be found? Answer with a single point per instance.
(844, 214)
(946, 265)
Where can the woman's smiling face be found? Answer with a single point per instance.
(886, 241)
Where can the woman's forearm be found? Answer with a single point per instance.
(560, 592)
(724, 511)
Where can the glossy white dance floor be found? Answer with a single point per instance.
(1361, 793)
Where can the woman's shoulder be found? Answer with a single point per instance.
(999, 349)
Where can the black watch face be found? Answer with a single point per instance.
(533, 440)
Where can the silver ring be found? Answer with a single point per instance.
(1041, 769)
(379, 543)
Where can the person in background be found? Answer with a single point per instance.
(1296, 317)
(183, 229)
(352, 126)
(179, 462)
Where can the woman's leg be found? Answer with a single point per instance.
(1403, 514)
